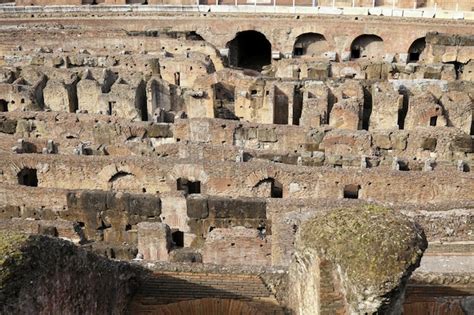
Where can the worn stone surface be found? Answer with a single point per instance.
(367, 257)
(43, 275)
(205, 138)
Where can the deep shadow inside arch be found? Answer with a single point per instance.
(250, 50)
(416, 49)
(367, 47)
(312, 44)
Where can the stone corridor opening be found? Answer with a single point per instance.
(250, 50)
(416, 49)
(367, 47)
(310, 44)
(28, 177)
(268, 187)
(189, 187)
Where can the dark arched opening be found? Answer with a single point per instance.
(119, 175)
(269, 187)
(250, 50)
(194, 36)
(189, 187)
(28, 177)
(310, 44)
(416, 49)
(367, 47)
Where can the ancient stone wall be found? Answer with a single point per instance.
(46, 275)
(214, 139)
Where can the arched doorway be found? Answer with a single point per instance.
(367, 47)
(416, 49)
(310, 44)
(268, 187)
(250, 50)
(206, 306)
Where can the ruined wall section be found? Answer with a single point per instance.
(47, 275)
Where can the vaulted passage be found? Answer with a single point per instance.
(28, 177)
(416, 49)
(310, 44)
(189, 187)
(367, 47)
(250, 50)
(204, 293)
(268, 187)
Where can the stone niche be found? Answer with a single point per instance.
(354, 261)
(424, 111)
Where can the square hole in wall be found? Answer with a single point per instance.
(351, 191)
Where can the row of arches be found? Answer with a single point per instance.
(252, 50)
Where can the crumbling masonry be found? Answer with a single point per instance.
(217, 149)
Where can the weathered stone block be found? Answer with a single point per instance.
(428, 144)
(154, 240)
(237, 208)
(266, 135)
(463, 144)
(382, 140)
(145, 205)
(87, 201)
(399, 140)
(159, 131)
(186, 255)
(7, 125)
(197, 206)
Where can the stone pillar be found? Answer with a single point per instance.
(326, 277)
(154, 240)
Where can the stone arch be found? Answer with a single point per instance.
(250, 49)
(120, 174)
(259, 175)
(367, 46)
(268, 187)
(123, 178)
(188, 186)
(310, 44)
(202, 306)
(193, 35)
(28, 177)
(183, 174)
(122, 181)
(416, 49)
